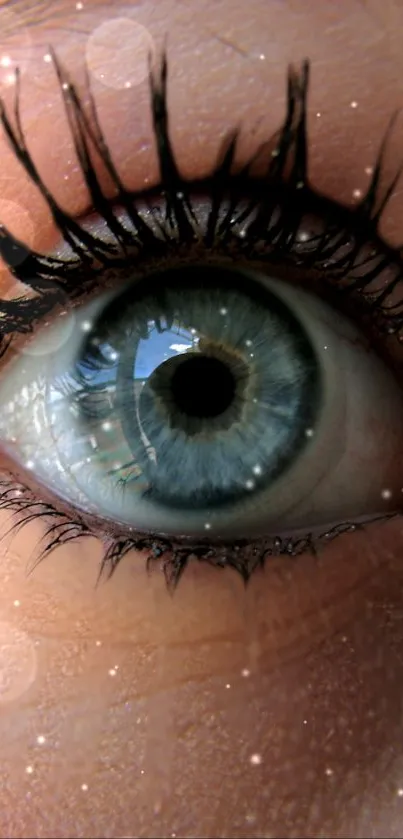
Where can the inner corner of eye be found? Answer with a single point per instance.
(207, 402)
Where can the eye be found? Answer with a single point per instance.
(205, 396)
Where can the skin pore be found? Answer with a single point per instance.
(220, 711)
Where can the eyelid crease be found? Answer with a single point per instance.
(51, 278)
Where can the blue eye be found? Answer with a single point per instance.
(205, 398)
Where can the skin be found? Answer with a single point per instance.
(269, 711)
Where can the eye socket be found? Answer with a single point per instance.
(207, 399)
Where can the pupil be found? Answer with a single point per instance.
(203, 387)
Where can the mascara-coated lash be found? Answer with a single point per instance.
(276, 204)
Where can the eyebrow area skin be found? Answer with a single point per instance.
(223, 711)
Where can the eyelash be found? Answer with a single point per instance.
(279, 203)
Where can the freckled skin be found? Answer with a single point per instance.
(143, 736)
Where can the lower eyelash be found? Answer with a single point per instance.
(172, 557)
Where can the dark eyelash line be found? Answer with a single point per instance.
(280, 200)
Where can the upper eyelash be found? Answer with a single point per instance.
(51, 278)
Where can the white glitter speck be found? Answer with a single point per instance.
(399, 792)
(86, 326)
(29, 770)
(5, 61)
(309, 432)
(256, 759)
(40, 739)
(84, 787)
(248, 342)
(228, 686)
(328, 771)
(369, 170)
(47, 58)
(30, 464)
(318, 114)
(245, 672)
(257, 469)
(207, 526)
(357, 193)
(112, 671)
(16, 602)
(98, 643)
(386, 494)
(353, 104)
(249, 484)
(79, 6)
(223, 311)
(106, 426)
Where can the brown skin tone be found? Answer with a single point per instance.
(303, 668)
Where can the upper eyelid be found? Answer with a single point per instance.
(133, 170)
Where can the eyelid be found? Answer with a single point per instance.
(125, 117)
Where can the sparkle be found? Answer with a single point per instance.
(328, 771)
(40, 739)
(29, 770)
(84, 787)
(5, 61)
(318, 114)
(127, 85)
(79, 6)
(106, 426)
(47, 58)
(354, 104)
(249, 484)
(248, 342)
(17, 603)
(245, 672)
(86, 326)
(223, 311)
(357, 193)
(399, 792)
(112, 671)
(262, 56)
(257, 469)
(256, 759)
(303, 236)
(207, 526)
(30, 464)
(228, 686)
(386, 494)
(98, 643)
(65, 86)
(369, 170)
(309, 432)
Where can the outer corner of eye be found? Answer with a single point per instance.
(211, 402)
